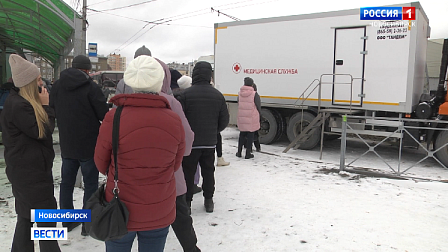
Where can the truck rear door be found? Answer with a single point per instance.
(348, 66)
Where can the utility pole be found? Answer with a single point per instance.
(83, 51)
(84, 26)
(80, 31)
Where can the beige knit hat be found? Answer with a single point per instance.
(23, 71)
(144, 73)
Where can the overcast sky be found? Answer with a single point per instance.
(188, 29)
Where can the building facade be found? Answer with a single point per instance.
(183, 68)
(116, 62)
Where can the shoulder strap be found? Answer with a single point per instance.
(115, 138)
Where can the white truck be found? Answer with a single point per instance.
(332, 61)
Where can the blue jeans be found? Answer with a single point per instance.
(69, 171)
(148, 241)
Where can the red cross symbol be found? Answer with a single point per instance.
(236, 68)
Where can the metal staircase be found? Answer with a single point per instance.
(322, 115)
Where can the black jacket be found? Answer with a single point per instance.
(80, 106)
(205, 108)
(29, 160)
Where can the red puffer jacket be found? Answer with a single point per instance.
(151, 147)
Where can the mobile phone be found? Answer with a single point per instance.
(40, 89)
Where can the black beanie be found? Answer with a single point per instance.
(142, 51)
(81, 62)
(175, 75)
(248, 81)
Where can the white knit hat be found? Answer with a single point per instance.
(144, 73)
(23, 71)
(184, 82)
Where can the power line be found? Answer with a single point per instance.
(132, 5)
(242, 6)
(99, 2)
(206, 10)
(166, 21)
(200, 26)
(117, 49)
(138, 37)
(154, 25)
(90, 9)
(219, 12)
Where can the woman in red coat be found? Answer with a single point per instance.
(150, 149)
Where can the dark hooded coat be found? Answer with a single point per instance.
(204, 107)
(80, 106)
(29, 160)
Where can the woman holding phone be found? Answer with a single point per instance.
(28, 123)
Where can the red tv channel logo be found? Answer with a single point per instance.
(408, 13)
(387, 13)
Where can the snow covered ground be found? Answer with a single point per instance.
(296, 202)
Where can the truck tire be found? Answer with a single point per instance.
(272, 126)
(294, 129)
(442, 155)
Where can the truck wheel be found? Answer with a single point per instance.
(271, 126)
(295, 126)
(442, 154)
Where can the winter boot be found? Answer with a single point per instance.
(209, 205)
(240, 148)
(257, 146)
(249, 153)
(83, 231)
(222, 162)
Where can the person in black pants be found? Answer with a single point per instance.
(80, 107)
(256, 136)
(249, 107)
(28, 123)
(206, 110)
(22, 237)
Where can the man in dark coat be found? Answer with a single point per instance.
(207, 114)
(80, 106)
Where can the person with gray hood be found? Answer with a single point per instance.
(80, 107)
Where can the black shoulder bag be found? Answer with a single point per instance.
(108, 219)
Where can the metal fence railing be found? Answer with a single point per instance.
(400, 131)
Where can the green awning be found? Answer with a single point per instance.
(42, 26)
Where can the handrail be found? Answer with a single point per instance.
(333, 83)
(319, 86)
(303, 94)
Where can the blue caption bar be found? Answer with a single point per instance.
(381, 13)
(60, 215)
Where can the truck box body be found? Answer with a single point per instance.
(285, 54)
